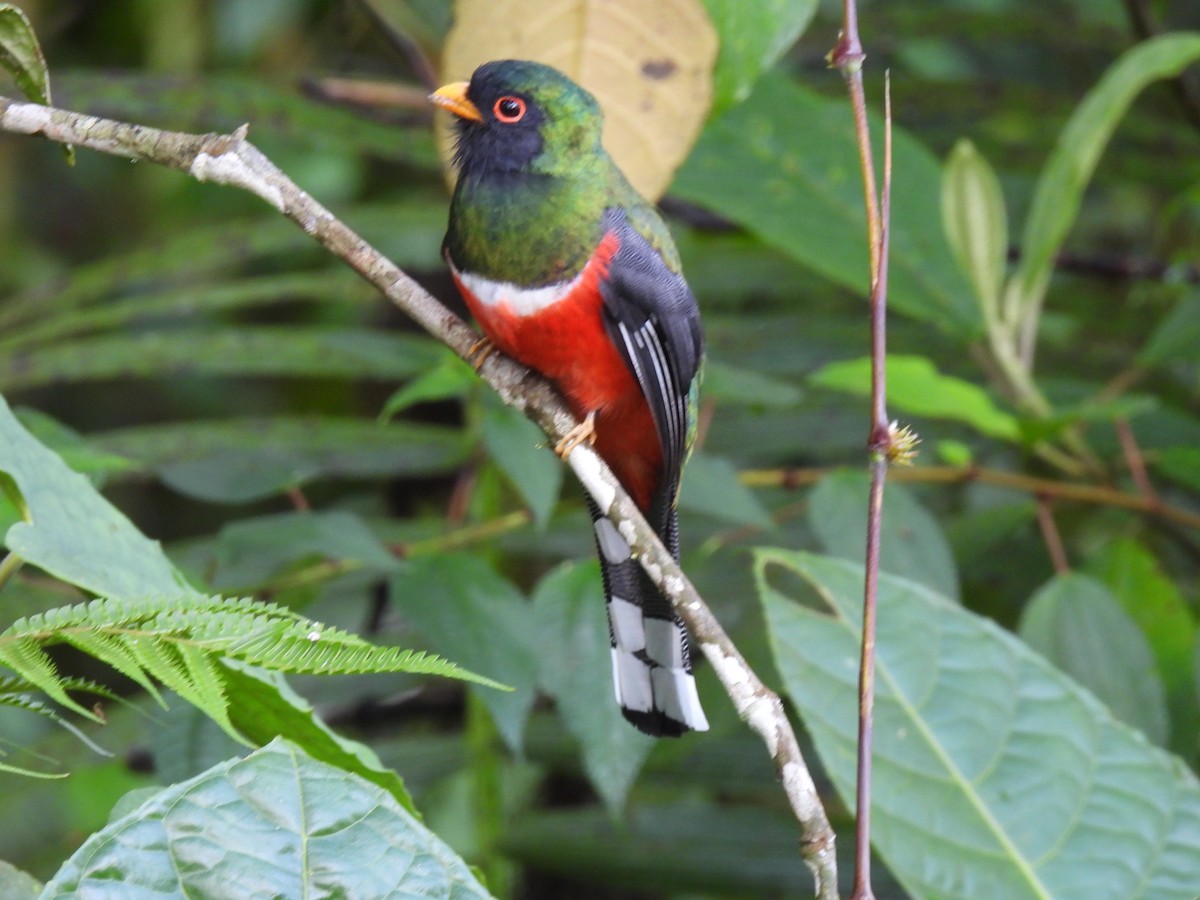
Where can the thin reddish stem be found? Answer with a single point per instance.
(1052, 536)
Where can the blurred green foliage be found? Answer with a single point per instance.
(223, 381)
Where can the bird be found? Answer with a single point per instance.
(569, 270)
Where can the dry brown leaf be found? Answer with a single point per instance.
(648, 62)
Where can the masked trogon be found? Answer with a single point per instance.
(567, 269)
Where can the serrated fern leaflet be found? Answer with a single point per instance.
(180, 644)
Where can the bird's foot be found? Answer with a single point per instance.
(584, 432)
(479, 352)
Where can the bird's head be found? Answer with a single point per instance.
(515, 116)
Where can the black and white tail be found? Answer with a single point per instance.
(652, 672)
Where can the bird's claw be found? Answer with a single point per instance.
(479, 352)
(584, 432)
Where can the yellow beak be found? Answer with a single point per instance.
(454, 98)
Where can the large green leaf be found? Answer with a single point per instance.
(994, 774)
(275, 824)
(913, 543)
(466, 610)
(783, 166)
(576, 670)
(753, 36)
(74, 533)
(1076, 623)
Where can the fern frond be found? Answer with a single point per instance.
(178, 642)
(9, 697)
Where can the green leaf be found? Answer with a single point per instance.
(184, 304)
(234, 460)
(237, 475)
(259, 351)
(464, 609)
(21, 54)
(267, 706)
(1158, 607)
(184, 741)
(15, 884)
(975, 222)
(711, 487)
(576, 670)
(745, 387)
(73, 532)
(252, 552)
(994, 774)
(275, 824)
(410, 233)
(1104, 409)
(753, 36)
(783, 165)
(913, 544)
(519, 449)
(1060, 187)
(1177, 336)
(75, 450)
(450, 379)
(1077, 624)
(917, 388)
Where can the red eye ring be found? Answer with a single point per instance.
(509, 110)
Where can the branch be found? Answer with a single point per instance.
(231, 159)
(885, 443)
(1039, 487)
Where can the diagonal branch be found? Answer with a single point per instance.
(231, 159)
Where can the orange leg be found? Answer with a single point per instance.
(479, 352)
(585, 431)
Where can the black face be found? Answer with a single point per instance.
(509, 138)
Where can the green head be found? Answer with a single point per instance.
(534, 180)
(516, 116)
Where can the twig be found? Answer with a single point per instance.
(230, 159)
(369, 94)
(298, 500)
(405, 46)
(848, 57)
(1052, 536)
(1135, 461)
(1057, 490)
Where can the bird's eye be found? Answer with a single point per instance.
(509, 110)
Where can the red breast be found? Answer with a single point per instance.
(563, 337)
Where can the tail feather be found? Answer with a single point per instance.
(652, 671)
